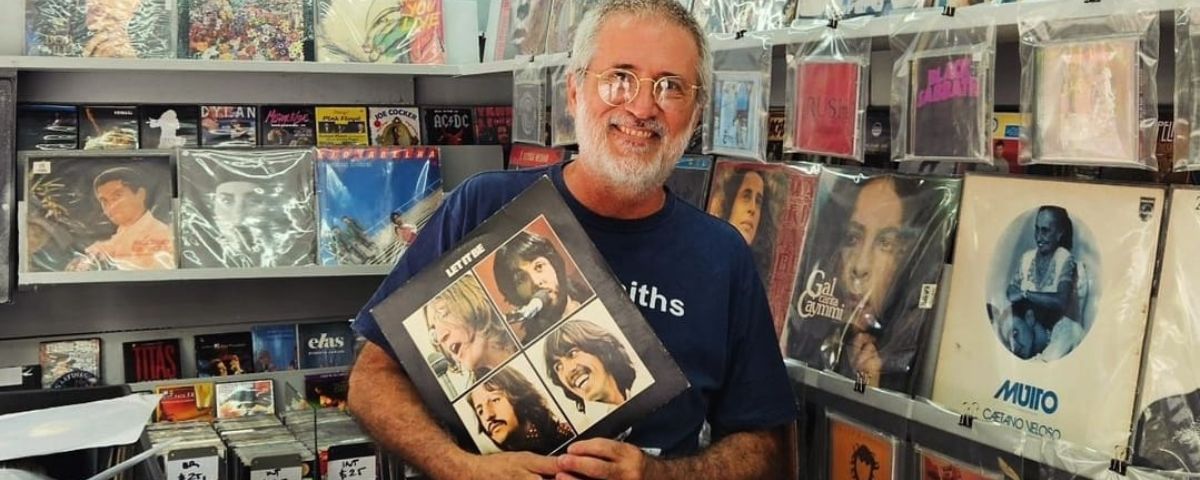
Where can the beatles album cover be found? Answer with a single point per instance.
(342, 126)
(934, 466)
(288, 126)
(260, 30)
(1086, 103)
(857, 452)
(244, 399)
(1048, 305)
(826, 110)
(562, 120)
(108, 128)
(98, 211)
(275, 348)
(100, 28)
(493, 125)
(448, 126)
(246, 209)
(47, 127)
(327, 390)
(224, 354)
(152, 360)
(70, 363)
(869, 274)
(947, 107)
(519, 27)
(689, 181)
(564, 19)
(395, 126)
(185, 403)
(374, 201)
(322, 345)
(529, 295)
(1169, 405)
(170, 126)
(529, 113)
(380, 31)
(228, 126)
(736, 119)
(770, 205)
(528, 156)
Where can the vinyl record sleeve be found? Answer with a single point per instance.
(529, 113)
(31, 378)
(169, 126)
(380, 31)
(228, 126)
(184, 403)
(1031, 355)
(564, 20)
(100, 28)
(770, 205)
(343, 126)
(529, 156)
(493, 125)
(70, 363)
(827, 105)
(528, 336)
(224, 354)
(152, 360)
(395, 126)
(67, 227)
(244, 399)
(776, 133)
(327, 390)
(935, 466)
(108, 128)
(373, 201)
(737, 126)
(246, 209)
(857, 452)
(272, 30)
(448, 126)
(689, 181)
(1169, 402)
(520, 28)
(869, 273)
(47, 127)
(274, 348)
(562, 120)
(288, 126)
(329, 344)
(947, 107)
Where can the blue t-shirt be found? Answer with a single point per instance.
(693, 278)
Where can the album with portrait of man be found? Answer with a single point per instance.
(521, 338)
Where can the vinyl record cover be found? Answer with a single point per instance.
(224, 354)
(715, 16)
(869, 273)
(736, 120)
(374, 201)
(342, 126)
(288, 126)
(108, 128)
(562, 120)
(47, 127)
(947, 107)
(935, 466)
(274, 348)
(448, 126)
(857, 452)
(529, 333)
(776, 134)
(493, 125)
(245, 29)
(1006, 145)
(152, 360)
(395, 126)
(98, 211)
(1048, 306)
(244, 399)
(380, 31)
(100, 28)
(70, 363)
(529, 113)
(529, 156)
(327, 390)
(31, 378)
(228, 126)
(329, 344)
(520, 28)
(184, 403)
(877, 143)
(170, 126)
(770, 205)
(826, 109)
(1169, 406)
(689, 181)
(246, 209)
(564, 19)
(1086, 103)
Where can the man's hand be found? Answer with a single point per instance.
(517, 465)
(865, 357)
(600, 459)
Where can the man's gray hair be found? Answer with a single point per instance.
(670, 11)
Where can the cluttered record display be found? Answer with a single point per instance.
(537, 286)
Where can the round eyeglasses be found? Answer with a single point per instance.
(618, 86)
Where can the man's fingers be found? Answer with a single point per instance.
(539, 464)
(566, 476)
(597, 447)
(587, 466)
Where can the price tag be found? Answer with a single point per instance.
(195, 468)
(41, 168)
(278, 473)
(352, 468)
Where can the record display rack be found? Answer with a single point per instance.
(94, 64)
(186, 274)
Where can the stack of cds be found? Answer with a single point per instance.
(256, 441)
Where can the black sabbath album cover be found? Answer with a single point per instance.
(448, 126)
(108, 128)
(869, 273)
(395, 126)
(100, 28)
(493, 125)
(224, 354)
(152, 360)
(287, 126)
(535, 294)
(70, 363)
(380, 31)
(228, 126)
(47, 127)
(246, 209)
(770, 205)
(170, 126)
(948, 108)
(322, 345)
(689, 180)
(270, 30)
(98, 211)
(1048, 304)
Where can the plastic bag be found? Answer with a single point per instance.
(380, 31)
(736, 118)
(99, 28)
(529, 104)
(1088, 83)
(562, 119)
(942, 87)
(827, 91)
(517, 28)
(1187, 66)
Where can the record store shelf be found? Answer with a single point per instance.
(186, 274)
(79, 65)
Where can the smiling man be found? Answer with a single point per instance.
(591, 367)
(639, 75)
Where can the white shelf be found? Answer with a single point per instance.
(186, 274)
(75, 64)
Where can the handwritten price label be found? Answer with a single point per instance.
(285, 473)
(198, 468)
(352, 468)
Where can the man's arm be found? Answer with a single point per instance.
(385, 403)
(748, 455)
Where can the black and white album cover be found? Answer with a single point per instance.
(1047, 306)
(170, 126)
(529, 113)
(47, 127)
(520, 339)
(246, 209)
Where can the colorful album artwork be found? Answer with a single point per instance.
(275, 348)
(108, 128)
(493, 125)
(288, 126)
(99, 28)
(947, 107)
(342, 127)
(934, 466)
(520, 28)
(737, 120)
(228, 126)
(380, 31)
(395, 126)
(263, 30)
(827, 108)
(185, 403)
(70, 363)
(244, 399)
(857, 452)
(152, 360)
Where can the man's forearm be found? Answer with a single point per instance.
(749, 455)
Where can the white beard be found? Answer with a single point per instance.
(627, 176)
